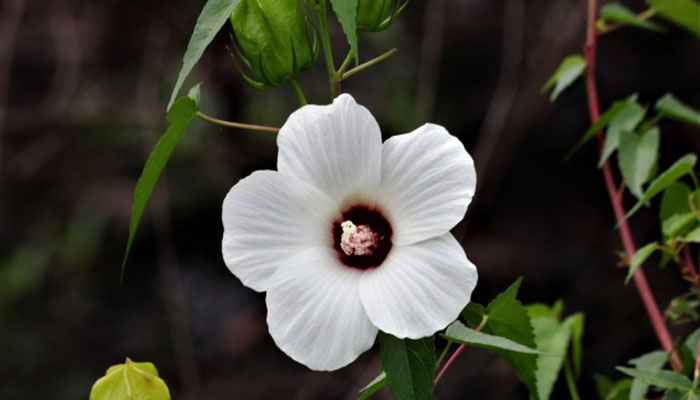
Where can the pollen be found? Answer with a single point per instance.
(358, 240)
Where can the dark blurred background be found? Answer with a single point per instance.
(83, 90)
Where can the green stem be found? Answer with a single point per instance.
(297, 89)
(641, 16)
(570, 381)
(444, 353)
(338, 79)
(650, 122)
(368, 64)
(238, 125)
(346, 63)
(326, 44)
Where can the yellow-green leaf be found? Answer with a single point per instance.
(638, 259)
(130, 381)
(568, 71)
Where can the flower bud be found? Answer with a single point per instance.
(376, 15)
(273, 40)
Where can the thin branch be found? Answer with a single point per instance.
(368, 64)
(457, 352)
(643, 16)
(297, 90)
(690, 272)
(640, 281)
(238, 125)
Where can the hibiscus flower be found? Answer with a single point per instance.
(350, 235)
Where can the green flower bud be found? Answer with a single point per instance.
(273, 39)
(376, 15)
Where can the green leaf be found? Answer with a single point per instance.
(575, 323)
(568, 71)
(651, 362)
(554, 337)
(638, 259)
(409, 366)
(637, 157)
(213, 16)
(675, 212)
(180, 116)
(346, 11)
(458, 332)
(671, 107)
(506, 317)
(682, 166)
(551, 337)
(626, 120)
(376, 384)
(608, 390)
(537, 310)
(692, 236)
(675, 394)
(130, 381)
(616, 12)
(602, 122)
(684, 13)
(663, 379)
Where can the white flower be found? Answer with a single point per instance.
(351, 235)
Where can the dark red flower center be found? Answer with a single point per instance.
(362, 238)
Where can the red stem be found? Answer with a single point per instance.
(453, 357)
(640, 280)
(688, 268)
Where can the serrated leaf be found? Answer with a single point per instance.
(568, 71)
(506, 317)
(409, 366)
(651, 362)
(551, 337)
(602, 122)
(639, 257)
(376, 384)
(213, 16)
(130, 381)
(625, 120)
(346, 11)
(682, 166)
(554, 337)
(675, 213)
(180, 116)
(637, 157)
(671, 107)
(458, 332)
(662, 379)
(684, 13)
(616, 12)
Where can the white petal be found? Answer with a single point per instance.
(428, 180)
(314, 311)
(268, 217)
(336, 148)
(420, 288)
